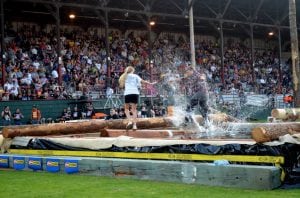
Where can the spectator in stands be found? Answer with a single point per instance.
(112, 115)
(152, 112)
(132, 83)
(35, 115)
(66, 114)
(89, 110)
(109, 92)
(122, 114)
(31, 57)
(75, 113)
(18, 116)
(6, 116)
(288, 100)
(144, 111)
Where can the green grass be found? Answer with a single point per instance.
(42, 184)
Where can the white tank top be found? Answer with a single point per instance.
(132, 84)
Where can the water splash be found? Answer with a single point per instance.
(171, 87)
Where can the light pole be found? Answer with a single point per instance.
(151, 23)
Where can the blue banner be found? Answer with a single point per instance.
(35, 163)
(4, 161)
(52, 165)
(71, 166)
(19, 163)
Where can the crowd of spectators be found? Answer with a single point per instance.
(88, 112)
(33, 69)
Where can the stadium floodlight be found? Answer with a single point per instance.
(72, 16)
(271, 33)
(152, 23)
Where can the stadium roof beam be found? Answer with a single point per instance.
(177, 6)
(257, 9)
(270, 18)
(226, 8)
(140, 3)
(241, 13)
(210, 9)
(284, 15)
(51, 10)
(90, 6)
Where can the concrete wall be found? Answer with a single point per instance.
(239, 176)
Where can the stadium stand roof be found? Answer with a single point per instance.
(170, 15)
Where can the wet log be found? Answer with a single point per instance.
(95, 125)
(273, 131)
(148, 133)
(221, 130)
(291, 114)
(237, 130)
(1, 139)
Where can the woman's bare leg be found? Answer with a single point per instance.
(134, 114)
(127, 112)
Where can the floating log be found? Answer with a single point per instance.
(286, 114)
(273, 131)
(95, 125)
(236, 130)
(1, 139)
(159, 133)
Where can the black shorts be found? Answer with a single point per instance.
(132, 98)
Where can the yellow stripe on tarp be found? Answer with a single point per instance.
(163, 156)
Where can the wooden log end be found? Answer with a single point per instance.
(286, 114)
(275, 113)
(1, 139)
(259, 135)
(7, 133)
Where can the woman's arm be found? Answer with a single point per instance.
(147, 82)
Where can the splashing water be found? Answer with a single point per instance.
(210, 129)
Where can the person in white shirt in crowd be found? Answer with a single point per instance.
(8, 86)
(26, 80)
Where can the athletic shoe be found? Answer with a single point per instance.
(129, 125)
(134, 126)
